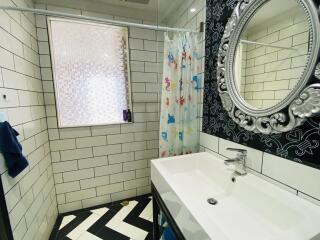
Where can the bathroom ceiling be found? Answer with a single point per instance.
(146, 9)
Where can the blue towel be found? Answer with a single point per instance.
(11, 150)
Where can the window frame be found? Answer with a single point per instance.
(127, 72)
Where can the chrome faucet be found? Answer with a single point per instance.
(239, 161)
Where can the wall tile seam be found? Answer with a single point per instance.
(262, 174)
(298, 191)
(124, 189)
(21, 13)
(186, 11)
(46, 155)
(35, 216)
(152, 121)
(20, 125)
(273, 72)
(278, 60)
(133, 91)
(19, 107)
(26, 15)
(47, 124)
(112, 183)
(25, 223)
(25, 90)
(279, 80)
(130, 133)
(31, 189)
(78, 158)
(261, 83)
(252, 170)
(279, 39)
(272, 62)
(19, 23)
(87, 189)
(105, 165)
(11, 70)
(135, 71)
(34, 197)
(143, 40)
(23, 57)
(189, 23)
(83, 13)
(27, 122)
(109, 194)
(29, 169)
(275, 61)
(193, 20)
(130, 48)
(22, 45)
(281, 29)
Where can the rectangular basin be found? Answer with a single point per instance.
(248, 207)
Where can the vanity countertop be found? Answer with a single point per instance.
(248, 207)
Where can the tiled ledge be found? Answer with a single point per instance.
(296, 178)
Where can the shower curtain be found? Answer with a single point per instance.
(179, 122)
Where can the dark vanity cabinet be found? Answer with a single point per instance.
(162, 218)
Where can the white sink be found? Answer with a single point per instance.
(248, 209)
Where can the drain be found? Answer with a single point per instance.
(212, 201)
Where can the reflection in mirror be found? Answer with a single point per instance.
(272, 53)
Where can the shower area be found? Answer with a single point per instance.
(95, 90)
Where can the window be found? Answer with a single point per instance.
(90, 64)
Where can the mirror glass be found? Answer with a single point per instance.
(272, 53)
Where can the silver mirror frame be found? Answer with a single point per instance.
(301, 103)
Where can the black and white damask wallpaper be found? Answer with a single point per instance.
(301, 145)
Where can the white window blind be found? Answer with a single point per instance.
(90, 66)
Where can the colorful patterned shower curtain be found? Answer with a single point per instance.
(179, 122)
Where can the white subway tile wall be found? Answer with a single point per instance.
(99, 164)
(296, 178)
(269, 73)
(30, 197)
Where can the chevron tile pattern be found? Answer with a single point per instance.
(109, 222)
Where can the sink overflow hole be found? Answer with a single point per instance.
(212, 201)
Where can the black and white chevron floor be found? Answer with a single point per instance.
(109, 222)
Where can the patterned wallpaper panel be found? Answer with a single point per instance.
(300, 145)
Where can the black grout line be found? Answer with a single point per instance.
(19, 73)
(22, 57)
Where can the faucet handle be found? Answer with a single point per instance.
(242, 151)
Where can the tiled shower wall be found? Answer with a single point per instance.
(96, 165)
(184, 18)
(30, 197)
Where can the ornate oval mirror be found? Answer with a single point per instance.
(267, 57)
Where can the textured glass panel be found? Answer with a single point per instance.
(89, 65)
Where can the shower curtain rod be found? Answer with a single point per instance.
(101, 20)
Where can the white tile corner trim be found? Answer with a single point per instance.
(294, 177)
